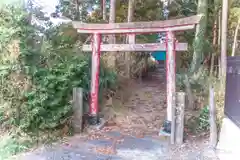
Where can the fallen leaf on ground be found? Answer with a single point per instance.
(109, 150)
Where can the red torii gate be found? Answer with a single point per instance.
(171, 46)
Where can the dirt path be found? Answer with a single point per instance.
(145, 110)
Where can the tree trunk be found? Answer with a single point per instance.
(131, 3)
(216, 36)
(224, 40)
(199, 36)
(112, 16)
(190, 96)
(78, 16)
(215, 26)
(219, 29)
(235, 39)
(219, 68)
(104, 10)
(219, 44)
(130, 38)
(215, 33)
(104, 16)
(212, 119)
(111, 60)
(212, 64)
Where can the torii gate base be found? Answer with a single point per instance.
(169, 26)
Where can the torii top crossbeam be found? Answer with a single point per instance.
(138, 27)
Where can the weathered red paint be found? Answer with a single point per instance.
(96, 42)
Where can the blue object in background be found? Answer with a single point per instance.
(159, 55)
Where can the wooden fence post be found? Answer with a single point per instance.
(180, 107)
(212, 119)
(77, 110)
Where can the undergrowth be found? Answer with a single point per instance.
(201, 122)
(203, 119)
(12, 144)
(39, 68)
(200, 83)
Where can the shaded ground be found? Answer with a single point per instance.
(145, 109)
(132, 134)
(115, 146)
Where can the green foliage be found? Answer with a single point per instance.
(75, 10)
(48, 103)
(6, 2)
(37, 78)
(203, 120)
(10, 145)
(148, 10)
(200, 123)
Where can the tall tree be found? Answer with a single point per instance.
(234, 24)
(216, 34)
(111, 60)
(224, 39)
(130, 38)
(104, 10)
(235, 38)
(131, 4)
(74, 9)
(215, 25)
(199, 36)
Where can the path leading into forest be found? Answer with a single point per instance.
(132, 134)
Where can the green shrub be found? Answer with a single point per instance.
(38, 73)
(48, 103)
(10, 145)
